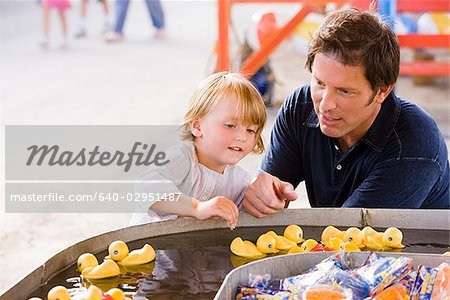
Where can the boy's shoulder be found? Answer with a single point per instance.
(181, 151)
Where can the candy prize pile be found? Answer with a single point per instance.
(379, 278)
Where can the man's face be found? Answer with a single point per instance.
(343, 100)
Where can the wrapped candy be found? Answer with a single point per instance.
(250, 293)
(319, 292)
(382, 272)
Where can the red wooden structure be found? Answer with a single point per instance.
(258, 58)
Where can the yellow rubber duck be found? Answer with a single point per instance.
(93, 293)
(294, 233)
(281, 242)
(245, 248)
(108, 268)
(266, 243)
(295, 249)
(308, 245)
(335, 243)
(372, 239)
(350, 247)
(117, 294)
(145, 268)
(58, 293)
(355, 236)
(105, 283)
(238, 261)
(139, 257)
(86, 260)
(331, 232)
(392, 237)
(118, 250)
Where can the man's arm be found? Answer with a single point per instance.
(404, 183)
(282, 163)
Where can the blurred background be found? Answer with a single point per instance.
(145, 75)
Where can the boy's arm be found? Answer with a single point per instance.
(190, 207)
(183, 206)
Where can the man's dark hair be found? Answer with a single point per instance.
(358, 38)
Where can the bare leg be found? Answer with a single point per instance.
(106, 7)
(82, 23)
(83, 8)
(63, 18)
(108, 19)
(46, 24)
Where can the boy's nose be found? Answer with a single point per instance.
(241, 135)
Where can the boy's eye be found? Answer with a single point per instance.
(249, 130)
(229, 125)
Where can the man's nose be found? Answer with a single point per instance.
(327, 101)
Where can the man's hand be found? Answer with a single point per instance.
(267, 195)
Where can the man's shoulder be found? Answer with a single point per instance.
(417, 131)
(298, 105)
(300, 95)
(414, 119)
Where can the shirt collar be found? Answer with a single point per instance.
(381, 128)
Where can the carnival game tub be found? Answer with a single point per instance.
(193, 257)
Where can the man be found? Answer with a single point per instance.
(347, 135)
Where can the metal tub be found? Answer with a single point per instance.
(412, 220)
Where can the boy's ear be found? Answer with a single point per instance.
(195, 128)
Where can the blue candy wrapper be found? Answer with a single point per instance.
(383, 272)
(248, 293)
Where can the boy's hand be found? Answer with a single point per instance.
(216, 207)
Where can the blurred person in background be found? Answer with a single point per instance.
(81, 32)
(61, 6)
(156, 14)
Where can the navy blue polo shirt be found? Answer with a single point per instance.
(401, 162)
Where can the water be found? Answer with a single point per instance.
(193, 265)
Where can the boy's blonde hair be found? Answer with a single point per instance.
(219, 87)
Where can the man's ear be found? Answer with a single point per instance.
(195, 128)
(383, 92)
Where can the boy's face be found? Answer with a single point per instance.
(343, 99)
(220, 138)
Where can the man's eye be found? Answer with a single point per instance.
(320, 84)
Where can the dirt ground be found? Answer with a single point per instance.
(140, 81)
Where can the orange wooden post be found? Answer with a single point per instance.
(424, 40)
(223, 60)
(258, 58)
(422, 5)
(425, 68)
